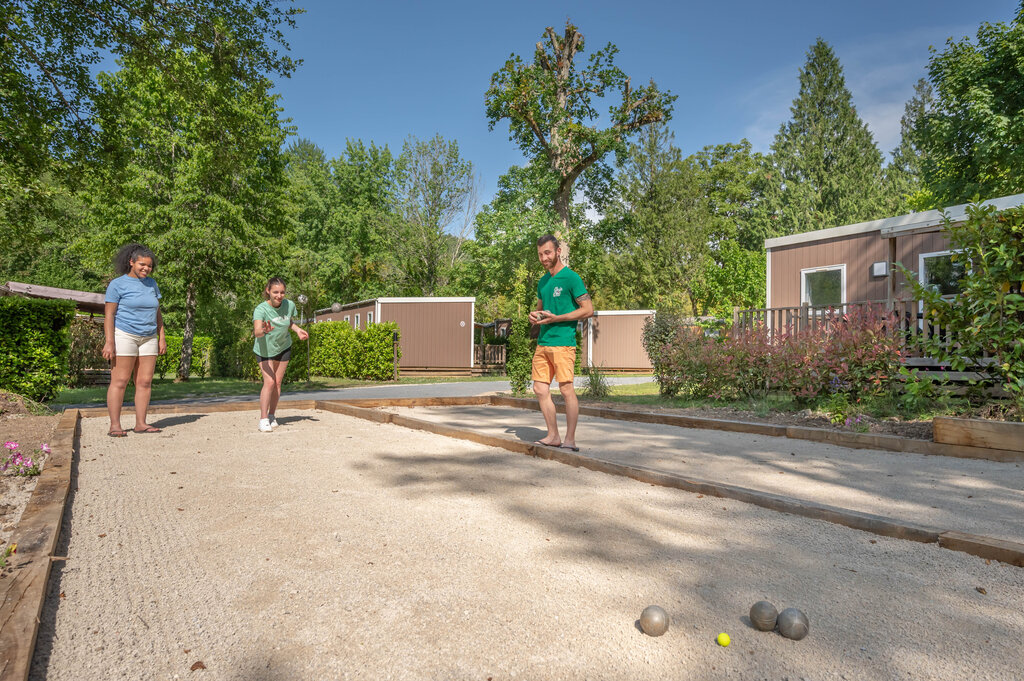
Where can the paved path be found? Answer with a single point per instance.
(969, 495)
(449, 389)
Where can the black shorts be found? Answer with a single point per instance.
(282, 356)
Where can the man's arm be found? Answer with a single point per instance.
(585, 309)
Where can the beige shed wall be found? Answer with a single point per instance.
(616, 341)
(433, 334)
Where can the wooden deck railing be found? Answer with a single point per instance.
(489, 355)
(910, 316)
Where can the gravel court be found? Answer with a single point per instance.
(969, 495)
(339, 548)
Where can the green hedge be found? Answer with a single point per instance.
(338, 351)
(202, 352)
(35, 344)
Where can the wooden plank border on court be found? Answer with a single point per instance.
(983, 547)
(891, 443)
(23, 591)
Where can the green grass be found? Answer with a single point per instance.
(647, 394)
(167, 389)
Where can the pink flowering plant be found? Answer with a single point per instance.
(855, 353)
(18, 463)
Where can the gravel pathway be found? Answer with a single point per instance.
(969, 495)
(337, 548)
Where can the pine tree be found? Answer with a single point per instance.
(825, 169)
(902, 183)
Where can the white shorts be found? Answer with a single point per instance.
(130, 345)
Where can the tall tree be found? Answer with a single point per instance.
(437, 198)
(657, 234)
(192, 167)
(973, 138)
(49, 49)
(551, 104)
(902, 183)
(825, 168)
(505, 237)
(730, 186)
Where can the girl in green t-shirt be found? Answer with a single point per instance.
(272, 324)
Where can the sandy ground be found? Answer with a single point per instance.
(337, 548)
(969, 495)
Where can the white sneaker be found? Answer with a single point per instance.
(273, 421)
(265, 426)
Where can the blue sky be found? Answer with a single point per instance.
(388, 69)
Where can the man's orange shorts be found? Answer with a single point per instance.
(554, 362)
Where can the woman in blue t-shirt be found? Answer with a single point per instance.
(134, 331)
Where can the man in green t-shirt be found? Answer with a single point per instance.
(562, 300)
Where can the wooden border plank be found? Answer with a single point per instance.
(984, 547)
(23, 592)
(892, 443)
(1004, 435)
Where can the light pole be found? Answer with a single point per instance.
(302, 301)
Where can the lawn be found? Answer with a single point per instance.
(167, 389)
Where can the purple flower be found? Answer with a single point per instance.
(11, 445)
(45, 448)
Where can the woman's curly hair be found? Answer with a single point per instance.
(128, 254)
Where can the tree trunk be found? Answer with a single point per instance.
(563, 204)
(185, 366)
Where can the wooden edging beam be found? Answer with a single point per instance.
(891, 443)
(983, 547)
(23, 591)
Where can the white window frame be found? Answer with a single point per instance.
(824, 268)
(935, 254)
(357, 321)
(348, 319)
(369, 319)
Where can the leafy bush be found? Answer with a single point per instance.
(35, 345)
(519, 357)
(987, 317)
(659, 334)
(202, 353)
(857, 353)
(377, 361)
(86, 347)
(339, 351)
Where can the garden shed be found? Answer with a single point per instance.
(613, 340)
(436, 333)
(853, 263)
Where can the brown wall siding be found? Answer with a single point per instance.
(858, 252)
(432, 334)
(617, 342)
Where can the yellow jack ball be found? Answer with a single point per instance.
(723, 639)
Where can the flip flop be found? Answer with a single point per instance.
(545, 444)
(571, 448)
(149, 429)
(117, 433)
